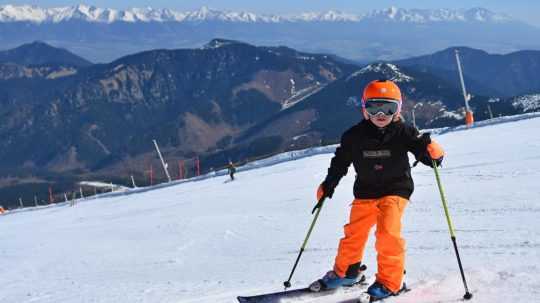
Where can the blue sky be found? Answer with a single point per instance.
(526, 10)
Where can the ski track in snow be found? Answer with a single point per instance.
(210, 241)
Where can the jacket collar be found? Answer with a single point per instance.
(382, 133)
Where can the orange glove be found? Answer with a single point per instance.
(320, 192)
(326, 189)
(435, 151)
(320, 196)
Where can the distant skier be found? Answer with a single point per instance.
(232, 170)
(377, 147)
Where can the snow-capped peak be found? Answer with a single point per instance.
(436, 15)
(81, 12)
(390, 72)
(329, 16)
(217, 43)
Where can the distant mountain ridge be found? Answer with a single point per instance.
(39, 53)
(13, 13)
(103, 35)
(497, 75)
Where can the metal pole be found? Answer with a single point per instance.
(133, 182)
(468, 113)
(467, 295)
(490, 112)
(463, 89)
(320, 203)
(180, 170)
(413, 118)
(162, 161)
(74, 198)
(21, 203)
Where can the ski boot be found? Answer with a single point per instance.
(377, 291)
(331, 280)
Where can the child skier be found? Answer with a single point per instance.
(377, 147)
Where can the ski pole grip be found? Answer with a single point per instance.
(318, 205)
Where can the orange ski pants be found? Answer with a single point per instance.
(386, 213)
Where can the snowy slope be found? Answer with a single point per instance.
(211, 240)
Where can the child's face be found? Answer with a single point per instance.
(381, 120)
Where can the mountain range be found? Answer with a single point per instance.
(11, 13)
(104, 117)
(103, 35)
(69, 119)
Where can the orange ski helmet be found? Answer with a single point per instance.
(382, 89)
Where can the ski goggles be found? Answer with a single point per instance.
(385, 106)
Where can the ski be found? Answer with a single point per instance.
(301, 294)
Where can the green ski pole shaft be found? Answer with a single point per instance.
(320, 203)
(467, 295)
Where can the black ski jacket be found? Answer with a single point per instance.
(379, 156)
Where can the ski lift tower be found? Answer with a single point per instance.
(469, 119)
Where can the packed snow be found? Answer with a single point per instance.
(211, 240)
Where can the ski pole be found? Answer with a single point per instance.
(467, 295)
(318, 207)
